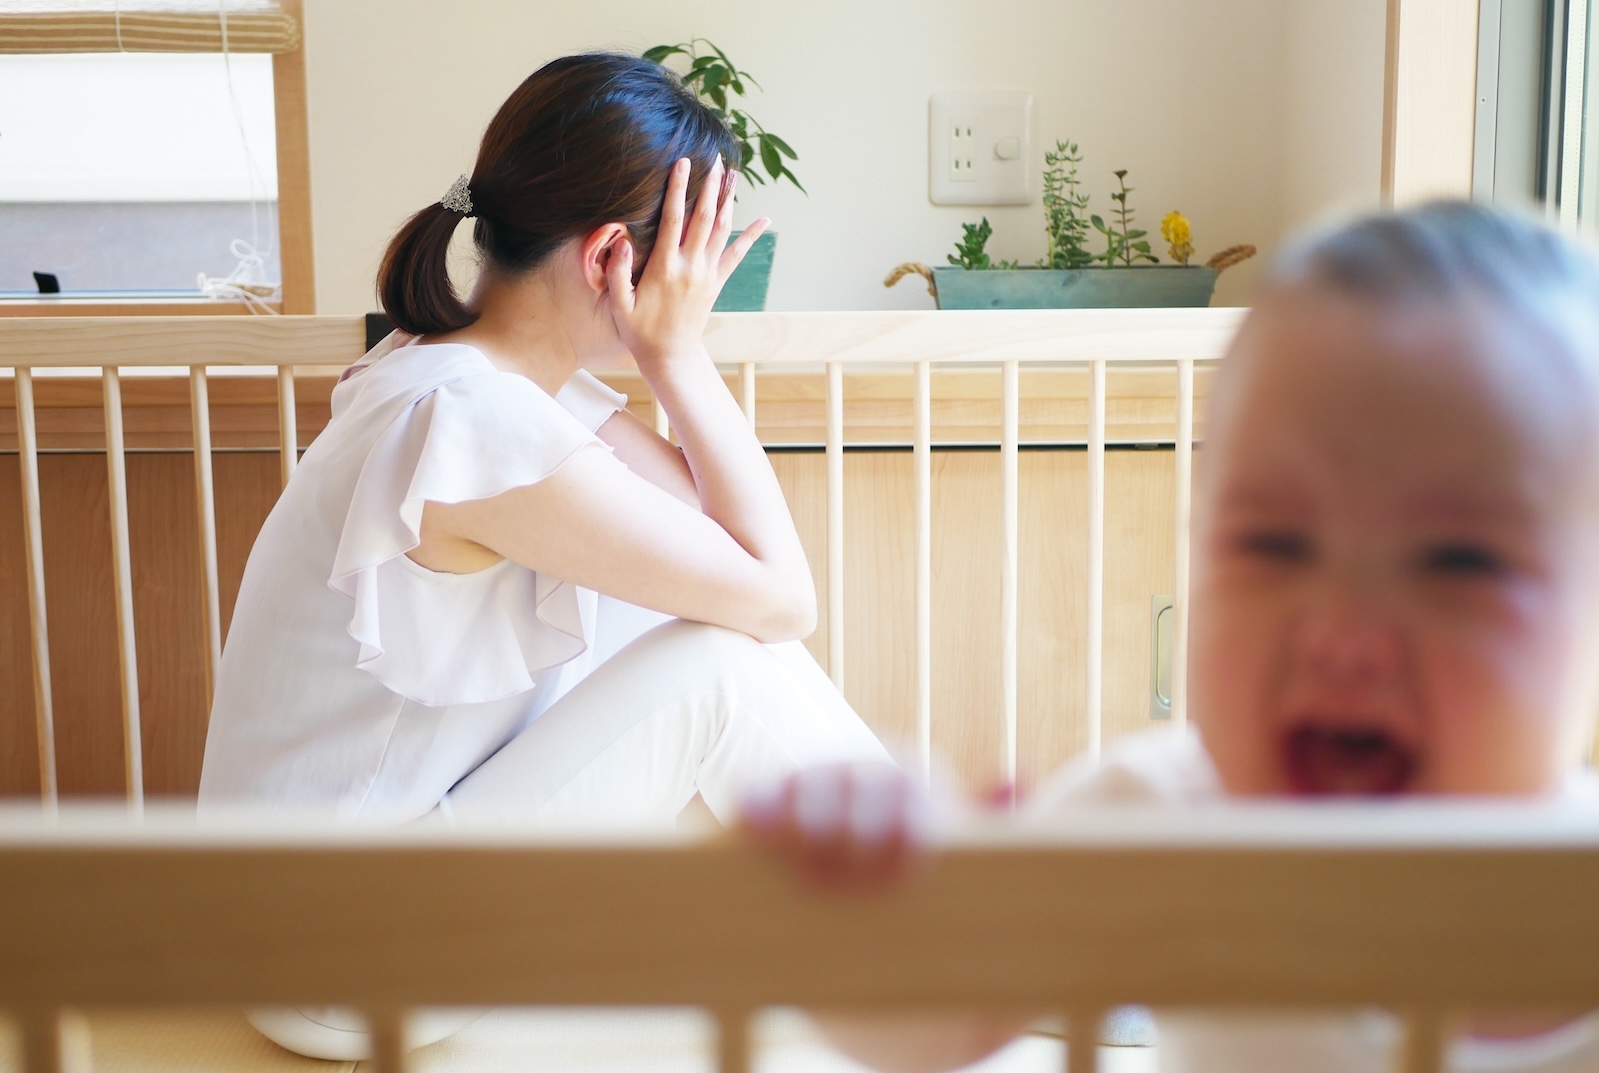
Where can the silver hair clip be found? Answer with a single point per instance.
(458, 198)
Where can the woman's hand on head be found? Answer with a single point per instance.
(664, 315)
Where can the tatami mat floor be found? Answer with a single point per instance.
(513, 1041)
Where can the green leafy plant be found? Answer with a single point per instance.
(714, 78)
(969, 251)
(1065, 224)
(1123, 242)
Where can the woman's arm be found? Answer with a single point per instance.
(737, 560)
(650, 455)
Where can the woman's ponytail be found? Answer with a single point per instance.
(414, 280)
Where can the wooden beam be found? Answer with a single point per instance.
(1429, 100)
(295, 247)
(1422, 906)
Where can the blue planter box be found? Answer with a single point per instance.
(1145, 287)
(745, 291)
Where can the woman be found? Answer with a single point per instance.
(419, 625)
(488, 589)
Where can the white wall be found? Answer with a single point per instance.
(1200, 99)
(1333, 96)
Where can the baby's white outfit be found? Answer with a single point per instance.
(1171, 767)
(359, 682)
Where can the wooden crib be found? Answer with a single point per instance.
(1277, 908)
(970, 598)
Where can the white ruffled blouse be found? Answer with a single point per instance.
(354, 677)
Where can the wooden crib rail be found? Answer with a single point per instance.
(1423, 909)
(828, 342)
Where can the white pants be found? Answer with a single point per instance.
(683, 708)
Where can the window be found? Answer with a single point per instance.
(136, 174)
(153, 157)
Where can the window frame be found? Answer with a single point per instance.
(294, 216)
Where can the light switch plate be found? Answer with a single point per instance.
(979, 148)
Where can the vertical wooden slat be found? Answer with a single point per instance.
(45, 1043)
(733, 1042)
(835, 522)
(1094, 671)
(663, 427)
(33, 547)
(1185, 494)
(1009, 433)
(1423, 1043)
(1082, 1041)
(746, 390)
(206, 512)
(388, 1041)
(122, 575)
(923, 459)
(288, 423)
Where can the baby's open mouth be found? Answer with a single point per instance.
(1349, 760)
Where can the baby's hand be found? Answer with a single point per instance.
(854, 827)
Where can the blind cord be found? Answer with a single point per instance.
(246, 283)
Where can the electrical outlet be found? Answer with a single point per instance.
(963, 150)
(978, 148)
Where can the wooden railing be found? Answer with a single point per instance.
(749, 344)
(1425, 910)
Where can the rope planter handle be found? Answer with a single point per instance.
(910, 268)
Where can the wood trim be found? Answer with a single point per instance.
(1426, 906)
(1390, 101)
(295, 244)
(1429, 100)
(771, 339)
(187, 307)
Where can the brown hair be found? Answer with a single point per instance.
(586, 140)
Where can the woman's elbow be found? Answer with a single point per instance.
(791, 615)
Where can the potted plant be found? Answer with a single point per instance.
(1090, 261)
(716, 81)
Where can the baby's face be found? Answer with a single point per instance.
(1396, 563)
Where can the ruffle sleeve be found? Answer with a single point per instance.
(437, 638)
(588, 400)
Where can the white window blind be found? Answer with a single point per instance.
(44, 26)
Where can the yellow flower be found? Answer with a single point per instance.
(1175, 230)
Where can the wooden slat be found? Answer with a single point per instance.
(746, 390)
(206, 514)
(663, 427)
(33, 548)
(1432, 906)
(122, 574)
(1082, 1041)
(835, 523)
(43, 1041)
(733, 1041)
(1010, 493)
(389, 1053)
(288, 424)
(1423, 1049)
(923, 478)
(1094, 669)
(1184, 498)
